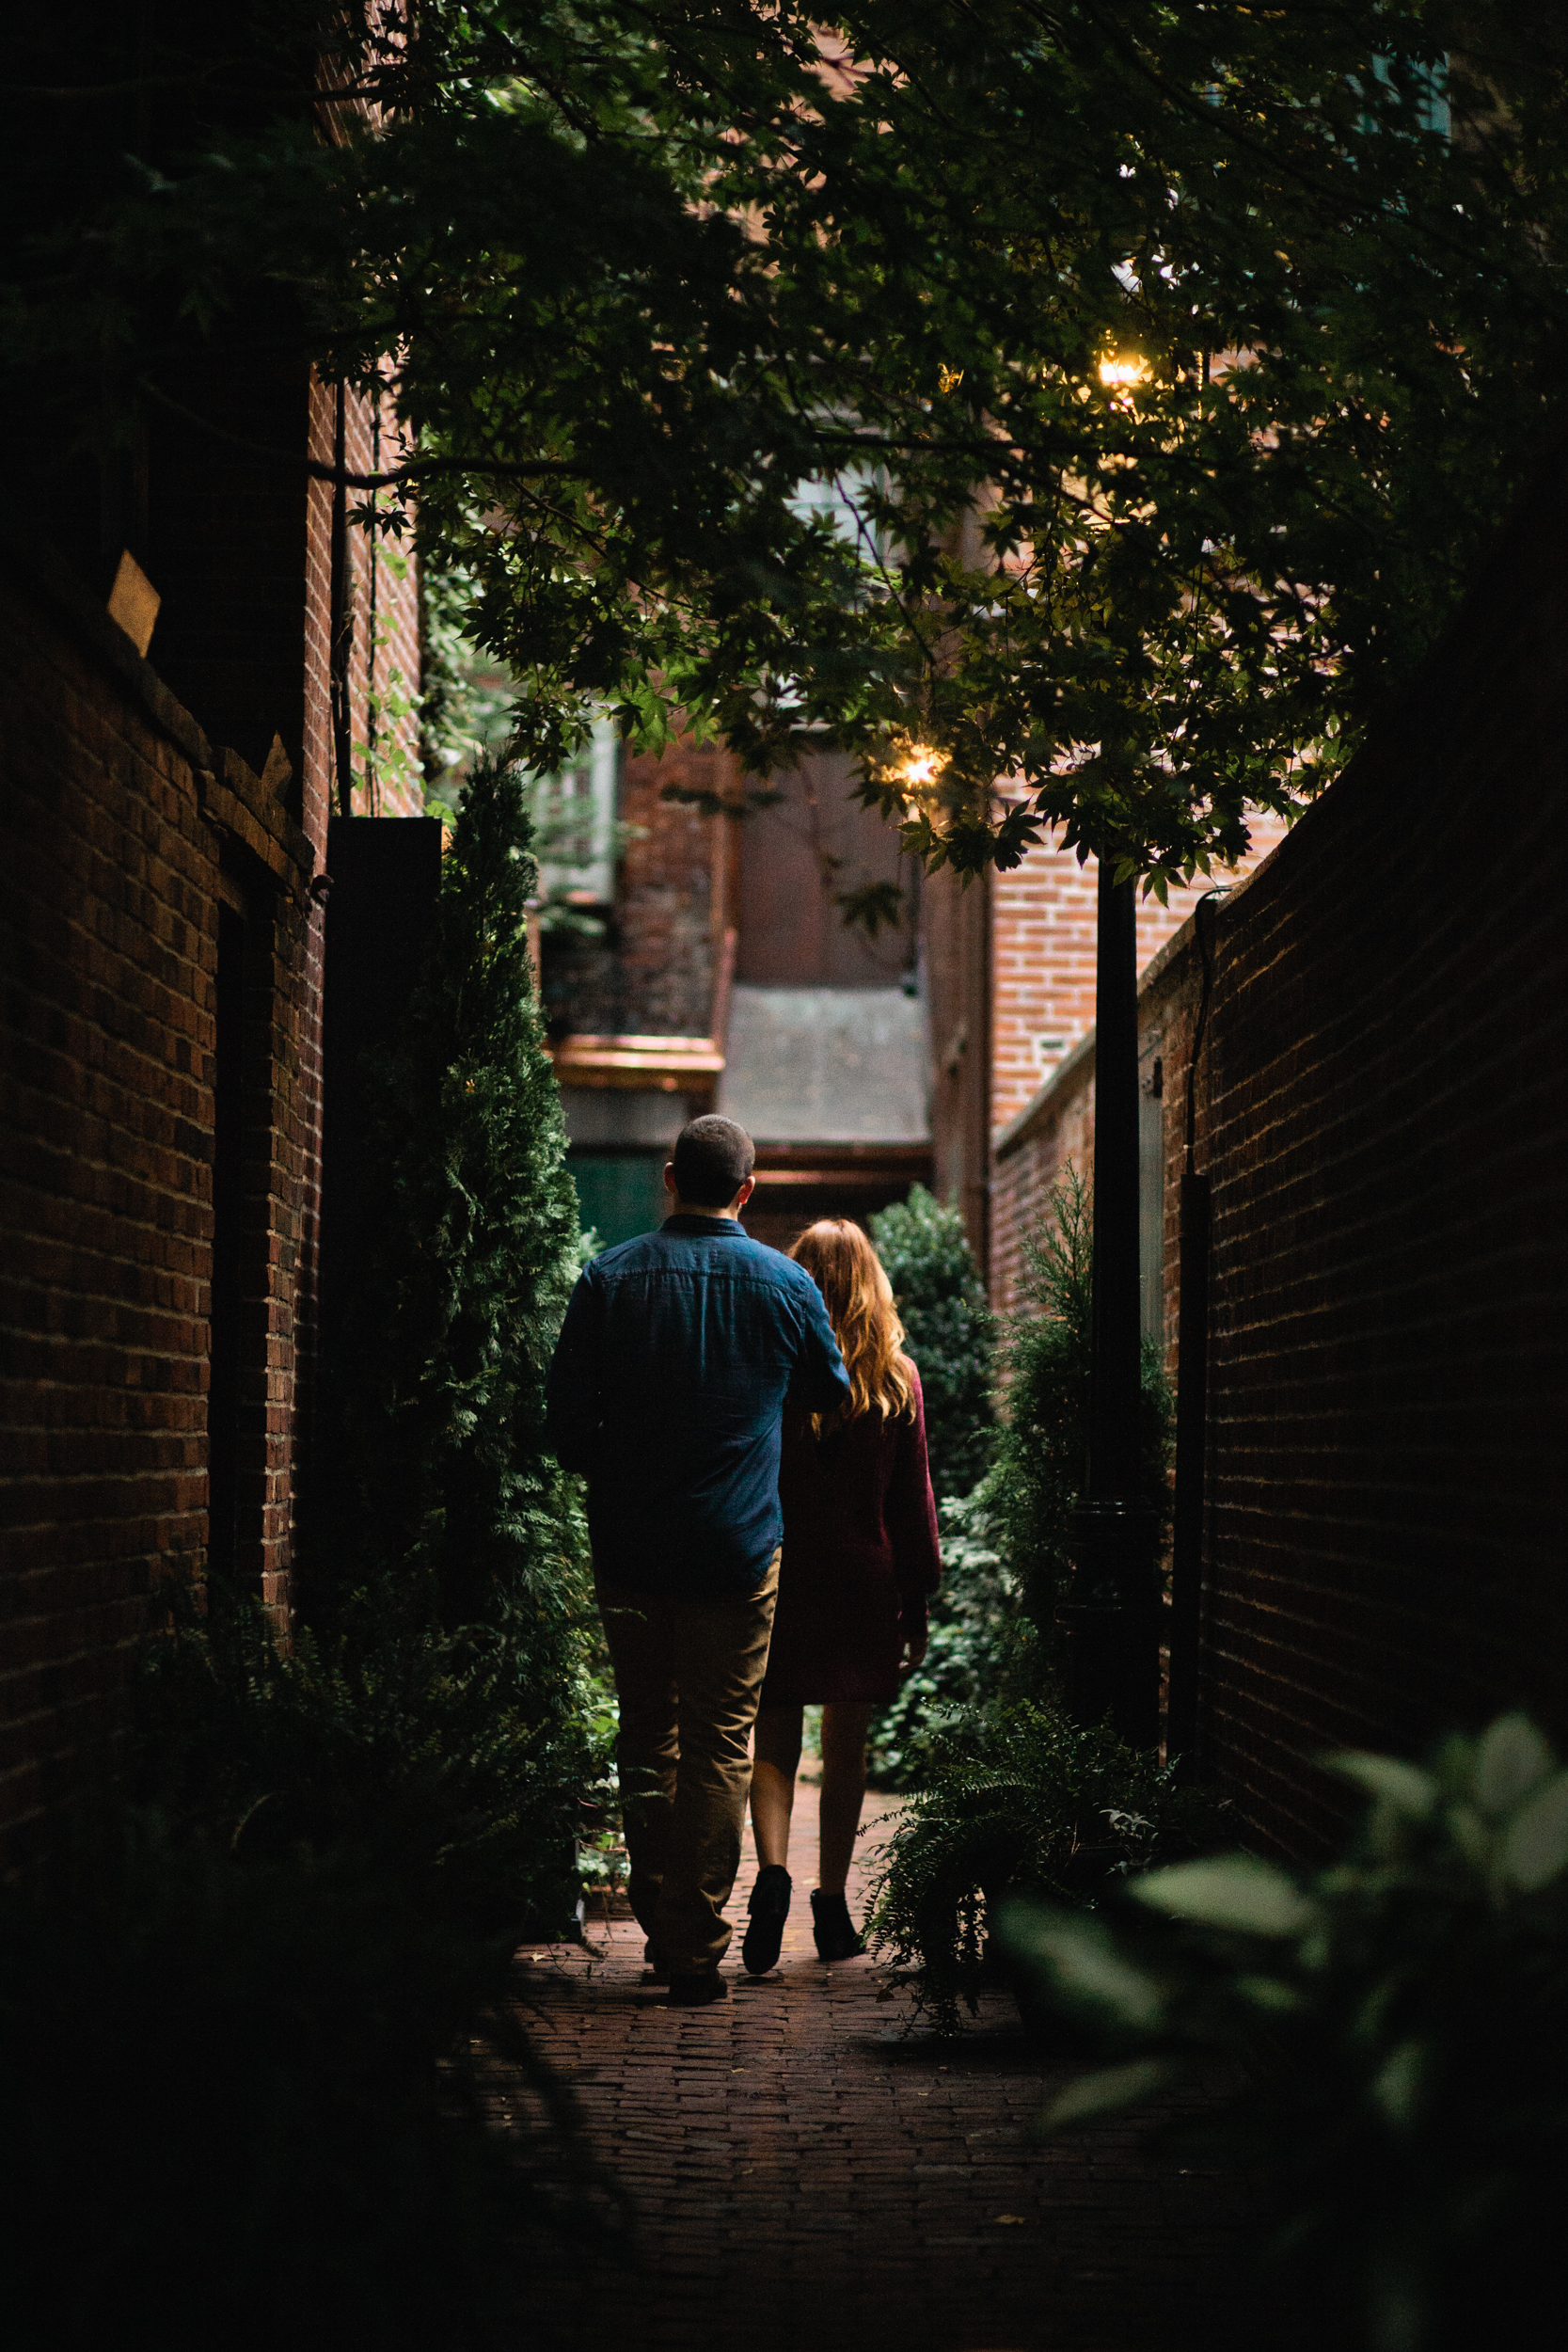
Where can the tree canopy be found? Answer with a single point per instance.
(1107, 395)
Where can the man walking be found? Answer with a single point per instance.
(667, 1388)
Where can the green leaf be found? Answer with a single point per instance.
(1082, 1959)
(1268, 1992)
(1106, 2092)
(1237, 1891)
(1397, 2086)
(1536, 1847)
(1511, 1759)
(1404, 1786)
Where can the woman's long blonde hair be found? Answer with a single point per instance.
(859, 1299)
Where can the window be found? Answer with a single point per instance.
(577, 810)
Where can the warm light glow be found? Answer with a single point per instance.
(921, 767)
(1124, 368)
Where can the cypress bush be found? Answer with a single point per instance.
(475, 1262)
(435, 1711)
(948, 1329)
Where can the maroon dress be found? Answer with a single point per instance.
(860, 1557)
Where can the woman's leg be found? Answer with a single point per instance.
(844, 1723)
(775, 1761)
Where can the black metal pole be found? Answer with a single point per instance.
(1191, 1418)
(1192, 1396)
(1109, 1622)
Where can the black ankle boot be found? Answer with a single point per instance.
(768, 1909)
(836, 1938)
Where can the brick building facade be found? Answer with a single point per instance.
(162, 912)
(723, 976)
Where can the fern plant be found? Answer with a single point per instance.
(1013, 1799)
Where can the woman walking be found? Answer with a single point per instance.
(860, 1560)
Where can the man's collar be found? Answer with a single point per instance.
(687, 1221)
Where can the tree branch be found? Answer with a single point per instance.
(341, 475)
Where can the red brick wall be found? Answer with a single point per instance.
(1384, 1115)
(1380, 1107)
(654, 972)
(1044, 918)
(122, 829)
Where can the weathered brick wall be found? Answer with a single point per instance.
(1044, 915)
(1380, 1105)
(654, 971)
(123, 830)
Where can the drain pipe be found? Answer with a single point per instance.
(1192, 1396)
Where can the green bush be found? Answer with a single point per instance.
(269, 2103)
(978, 1645)
(437, 1396)
(948, 1329)
(428, 1752)
(1043, 1442)
(1401, 2021)
(1014, 1798)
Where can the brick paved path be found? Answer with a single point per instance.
(808, 2176)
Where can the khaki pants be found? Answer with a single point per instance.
(687, 1674)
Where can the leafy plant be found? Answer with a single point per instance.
(978, 1645)
(1399, 2016)
(257, 2103)
(1015, 1798)
(432, 1754)
(440, 1387)
(1044, 1438)
(948, 1329)
(1156, 371)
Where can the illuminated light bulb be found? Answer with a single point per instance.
(922, 766)
(1124, 370)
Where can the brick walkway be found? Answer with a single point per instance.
(808, 2176)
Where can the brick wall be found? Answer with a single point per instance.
(653, 972)
(1380, 1105)
(1043, 913)
(125, 833)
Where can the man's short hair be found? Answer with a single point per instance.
(713, 1158)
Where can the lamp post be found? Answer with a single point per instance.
(1110, 1622)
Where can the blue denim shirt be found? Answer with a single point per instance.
(668, 1385)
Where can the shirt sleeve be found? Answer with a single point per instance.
(911, 1516)
(572, 1384)
(819, 1383)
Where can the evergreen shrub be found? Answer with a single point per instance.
(473, 1264)
(1401, 2024)
(949, 1330)
(436, 1709)
(978, 1643)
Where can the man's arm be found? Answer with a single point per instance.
(819, 1383)
(572, 1383)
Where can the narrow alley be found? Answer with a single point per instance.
(808, 2171)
